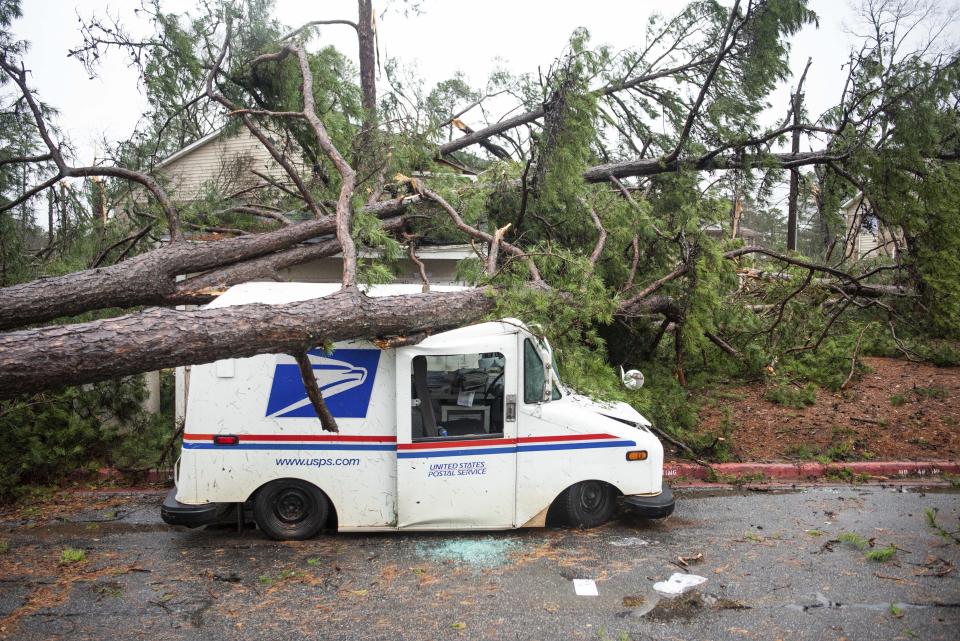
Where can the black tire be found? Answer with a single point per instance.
(586, 504)
(290, 509)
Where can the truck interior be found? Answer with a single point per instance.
(457, 395)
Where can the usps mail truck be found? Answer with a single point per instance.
(469, 429)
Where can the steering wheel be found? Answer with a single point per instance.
(493, 383)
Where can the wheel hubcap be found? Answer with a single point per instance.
(291, 505)
(591, 498)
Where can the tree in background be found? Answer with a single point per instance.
(591, 200)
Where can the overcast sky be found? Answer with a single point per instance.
(444, 38)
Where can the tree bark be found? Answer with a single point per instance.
(205, 287)
(312, 388)
(148, 279)
(654, 166)
(163, 338)
(794, 178)
(366, 37)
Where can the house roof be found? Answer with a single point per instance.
(196, 144)
(846, 204)
(717, 228)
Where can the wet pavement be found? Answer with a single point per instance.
(775, 565)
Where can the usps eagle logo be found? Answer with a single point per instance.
(345, 377)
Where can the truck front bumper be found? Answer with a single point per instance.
(651, 507)
(174, 512)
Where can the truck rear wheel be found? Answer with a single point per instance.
(290, 509)
(586, 504)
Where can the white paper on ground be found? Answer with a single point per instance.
(585, 587)
(678, 583)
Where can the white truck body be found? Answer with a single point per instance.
(383, 471)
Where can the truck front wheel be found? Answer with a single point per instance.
(290, 509)
(586, 504)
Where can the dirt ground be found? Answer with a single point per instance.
(898, 410)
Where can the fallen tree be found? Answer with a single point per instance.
(595, 210)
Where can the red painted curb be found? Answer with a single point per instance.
(807, 471)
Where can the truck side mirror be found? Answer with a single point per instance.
(631, 379)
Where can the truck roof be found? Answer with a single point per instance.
(278, 293)
(274, 293)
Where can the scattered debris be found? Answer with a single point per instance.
(480, 552)
(233, 577)
(678, 583)
(683, 608)
(944, 533)
(719, 603)
(631, 541)
(585, 587)
(633, 601)
(687, 560)
(934, 566)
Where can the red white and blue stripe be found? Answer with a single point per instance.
(423, 449)
(331, 442)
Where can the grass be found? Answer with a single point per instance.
(4, 547)
(72, 555)
(841, 451)
(268, 580)
(737, 480)
(855, 540)
(790, 396)
(898, 399)
(942, 532)
(845, 475)
(731, 396)
(895, 611)
(930, 392)
(882, 555)
(803, 452)
(110, 590)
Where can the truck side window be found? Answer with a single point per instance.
(532, 374)
(457, 395)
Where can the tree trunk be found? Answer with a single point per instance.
(794, 178)
(148, 279)
(368, 60)
(163, 338)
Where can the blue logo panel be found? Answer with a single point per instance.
(345, 377)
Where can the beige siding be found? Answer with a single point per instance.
(865, 243)
(225, 164)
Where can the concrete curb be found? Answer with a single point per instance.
(753, 472)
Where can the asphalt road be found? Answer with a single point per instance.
(773, 563)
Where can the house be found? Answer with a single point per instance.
(230, 162)
(236, 163)
(718, 231)
(866, 237)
